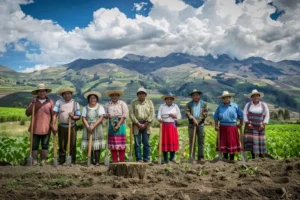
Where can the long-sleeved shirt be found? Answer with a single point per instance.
(164, 109)
(190, 111)
(257, 109)
(228, 115)
(141, 111)
(118, 109)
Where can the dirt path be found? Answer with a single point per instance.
(259, 179)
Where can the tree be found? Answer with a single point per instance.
(286, 115)
(273, 115)
(280, 113)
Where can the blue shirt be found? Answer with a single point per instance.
(228, 115)
(196, 109)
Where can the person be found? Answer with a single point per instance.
(256, 116)
(196, 112)
(227, 114)
(43, 122)
(64, 109)
(168, 114)
(92, 117)
(142, 114)
(116, 111)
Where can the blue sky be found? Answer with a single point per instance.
(95, 28)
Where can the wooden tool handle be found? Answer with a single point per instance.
(131, 132)
(54, 146)
(31, 128)
(193, 142)
(69, 136)
(160, 139)
(90, 144)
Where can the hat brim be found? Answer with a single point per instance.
(199, 92)
(110, 92)
(260, 94)
(166, 96)
(97, 94)
(61, 91)
(141, 92)
(35, 92)
(226, 95)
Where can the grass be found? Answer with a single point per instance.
(14, 129)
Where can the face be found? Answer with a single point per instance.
(226, 100)
(67, 96)
(255, 97)
(169, 101)
(141, 96)
(42, 94)
(93, 100)
(196, 97)
(114, 97)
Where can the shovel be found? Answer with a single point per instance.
(130, 156)
(160, 144)
(29, 159)
(219, 145)
(90, 148)
(242, 144)
(54, 151)
(106, 159)
(69, 158)
(193, 146)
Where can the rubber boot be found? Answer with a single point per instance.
(44, 156)
(253, 155)
(97, 157)
(34, 157)
(232, 157)
(225, 155)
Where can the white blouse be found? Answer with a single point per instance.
(165, 109)
(257, 109)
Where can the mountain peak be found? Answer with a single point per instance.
(133, 57)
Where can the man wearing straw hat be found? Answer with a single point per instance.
(196, 112)
(256, 116)
(42, 125)
(64, 109)
(227, 114)
(116, 111)
(142, 114)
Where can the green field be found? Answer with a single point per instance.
(12, 114)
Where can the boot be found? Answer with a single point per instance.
(253, 155)
(97, 157)
(225, 155)
(44, 156)
(34, 157)
(232, 157)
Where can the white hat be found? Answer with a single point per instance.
(41, 86)
(255, 92)
(226, 94)
(141, 89)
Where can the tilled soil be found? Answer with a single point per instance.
(257, 179)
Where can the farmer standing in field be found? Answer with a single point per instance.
(116, 111)
(142, 114)
(228, 114)
(92, 117)
(168, 114)
(64, 109)
(196, 112)
(256, 116)
(42, 125)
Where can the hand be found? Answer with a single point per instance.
(173, 116)
(90, 128)
(71, 114)
(249, 126)
(195, 122)
(54, 130)
(142, 127)
(108, 116)
(217, 128)
(33, 101)
(116, 127)
(240, 125)
(160, 121)
(261, 127)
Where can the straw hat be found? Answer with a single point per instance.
(110, 92)
(40, 86)
(61, 91)
(170, 95)
(142, 90)
(226, 94)
(195, 91)
(256, 92)
(97, 94)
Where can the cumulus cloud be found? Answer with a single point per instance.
(217, 27)
(32, 69)
(139, 6)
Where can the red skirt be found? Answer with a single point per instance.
(169, 137)
(229, 139)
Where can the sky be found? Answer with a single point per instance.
(37, 34)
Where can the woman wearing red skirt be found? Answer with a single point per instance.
(227, 115)
(168, 113)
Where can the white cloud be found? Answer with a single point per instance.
(35, 68)
(139, 6)
(239, 30)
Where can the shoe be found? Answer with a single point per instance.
(44, 157)
(139, 161)
(34, 157)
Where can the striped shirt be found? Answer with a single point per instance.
(118, 109)
(257, 109)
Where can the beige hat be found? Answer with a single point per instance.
(110, 92)
(226, 94)
(256, 92)
(196, 91)
(170, 95)
(97, 94)
(61, 91)
(40, 86)
(141, 89)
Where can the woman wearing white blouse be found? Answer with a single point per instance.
(168, 113)
(256, 116)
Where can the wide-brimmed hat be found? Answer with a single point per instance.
(163, 97)
(61, 91)
(226, 94)
(141, 90)
(41, 86)
(97, 94)
(110, 92)
(195, 91)
(255, 92)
